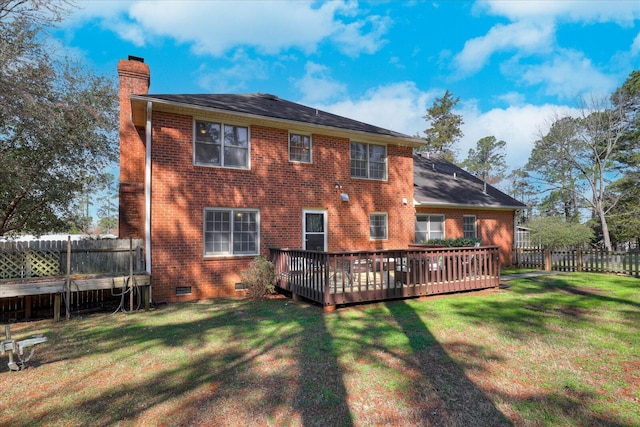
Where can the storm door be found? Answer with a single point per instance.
(314, 230)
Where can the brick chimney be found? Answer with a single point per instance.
(134, 78)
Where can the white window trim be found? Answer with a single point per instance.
(475, 225)
(386, 161)
(232, 211)
(310, 148)
(444, 222)
(222, 125)
(386, 226)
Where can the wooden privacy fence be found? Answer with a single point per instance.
(350, 277)
(579, 260)
(36, 276)
(42, 258)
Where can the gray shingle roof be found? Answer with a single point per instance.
(270, 106)
(436, 184)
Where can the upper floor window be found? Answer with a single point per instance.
(219, 144)
(469, 226)
(368, 161)
(378, 226)
(299, 148)
(231, 232)
(429, 227)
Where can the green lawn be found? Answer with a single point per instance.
(560, 350)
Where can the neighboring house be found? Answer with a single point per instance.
(450, 203)
(211, 181)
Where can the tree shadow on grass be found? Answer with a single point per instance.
(243, 363)
(465, 404)
(561, 311)
(544, 302)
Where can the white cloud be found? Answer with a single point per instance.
(234, 78)
(397, 106)
(518, 126)
(215, 28)
(317, 85)
(635, 46)
(402, 106)
(622, 12)
(559, 76)
(352, 38)
(511, 98)
(525, 37)
(111, 15)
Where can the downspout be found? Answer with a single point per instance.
(147, 196)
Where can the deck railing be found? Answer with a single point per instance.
(332, 278)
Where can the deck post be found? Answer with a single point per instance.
(130, 274)
(56, 307)
(329, 308)
(67, 303)
(145, 291)
(27, 307)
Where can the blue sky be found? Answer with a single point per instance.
(513, 64)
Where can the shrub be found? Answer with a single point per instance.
(555, 232)
(258, 278)
(455, 243)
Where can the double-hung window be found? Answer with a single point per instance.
(368, 161)
(469, 226)
(378, 226)
(231, 232)
(299, 148)
(220, 144)
(429, 227)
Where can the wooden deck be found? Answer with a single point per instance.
(19, 296)
(351, 277)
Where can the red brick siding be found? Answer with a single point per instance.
(278, 188)
(134, 79)
(494, 227)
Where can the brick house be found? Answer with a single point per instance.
(211, 181)
(451, 202)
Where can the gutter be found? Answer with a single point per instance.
(147, 196)
(418, 204)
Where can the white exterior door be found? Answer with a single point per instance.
(314, 230)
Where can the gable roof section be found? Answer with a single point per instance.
(439, 183)
(268, 106)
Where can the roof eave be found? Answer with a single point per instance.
(139, 102)
(419, 204)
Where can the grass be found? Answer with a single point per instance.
(516, 270)
(559, 350)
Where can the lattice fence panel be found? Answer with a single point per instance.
(11, 265)
(42, 263)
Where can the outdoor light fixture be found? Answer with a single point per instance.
(338, 186)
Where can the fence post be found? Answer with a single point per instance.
(579, 253)
(547, 259)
